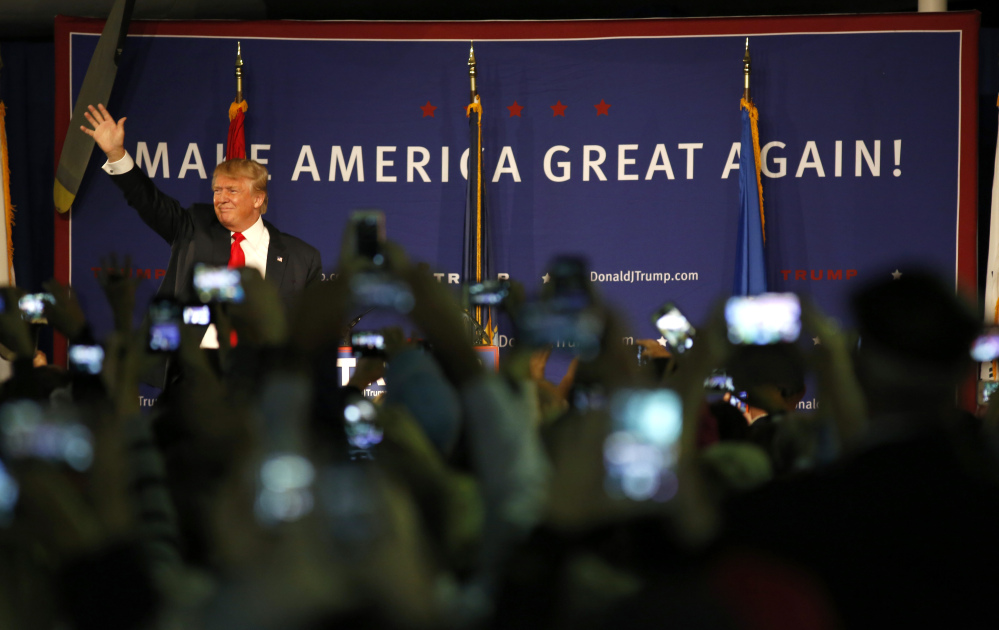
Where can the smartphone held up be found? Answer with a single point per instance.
(640, 454)
(763, 319)
(488, 293)
(165, 319)
(566, 314)
(985, 347)
(367, 234)
(217, 284)
(372, 286)
(32, 307)
(86, 359)
(367, 344)
(674, 327)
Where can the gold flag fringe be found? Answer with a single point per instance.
(234, 108)
(754, 117)
(488, 324)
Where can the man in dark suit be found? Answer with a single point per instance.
(230, 231)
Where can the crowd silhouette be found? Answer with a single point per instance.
(260, 492)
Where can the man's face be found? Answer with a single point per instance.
(237, 205)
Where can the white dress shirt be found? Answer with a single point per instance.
(256, 240)
(255, 243)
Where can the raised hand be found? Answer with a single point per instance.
(838, 383)
(653, 349)
(65, 313)
(368, 370)
(119, 287)
(106, 132)
(395, 341)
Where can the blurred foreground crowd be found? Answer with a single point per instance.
(262, 492)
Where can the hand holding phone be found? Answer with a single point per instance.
(569, 287)
(164, 325)
(986, 390)
(200, 315)
(985, 347)
(86, 359)
(32, 307)
(368, 235)
(360, 423)
(641, 452)
(763, 319)
(719, 382)
(285, 475)
(488, 293)
(32, 432)
(367, 344)
(371, 289)
(565, 316)
(217, 284)
(544, 323)
(674, 327)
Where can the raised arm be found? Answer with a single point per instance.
(159, 211)
(106, 132)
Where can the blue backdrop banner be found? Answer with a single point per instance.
(619, 141)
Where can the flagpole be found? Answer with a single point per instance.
(475, 254)
(239, 72)
(472, 72)
(473, 97)
(746, 71)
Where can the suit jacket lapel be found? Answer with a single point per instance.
(277, 256)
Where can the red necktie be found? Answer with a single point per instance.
(236, 257)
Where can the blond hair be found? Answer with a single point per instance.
(241, 168)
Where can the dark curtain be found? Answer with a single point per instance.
(27, 88)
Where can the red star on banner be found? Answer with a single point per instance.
(558, 109)
(515, 109)
(602, 107)
(428, 109)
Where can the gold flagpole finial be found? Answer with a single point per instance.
(746, 70)
(239, 73)
(471, 71)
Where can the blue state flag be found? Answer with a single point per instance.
(750, 259)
